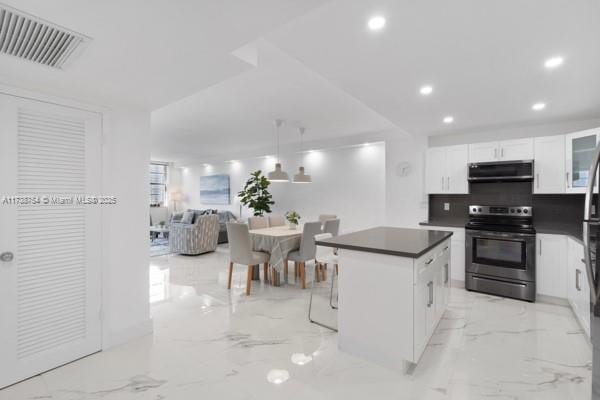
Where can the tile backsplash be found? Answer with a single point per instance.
(548, 208)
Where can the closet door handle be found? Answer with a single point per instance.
(577, 284)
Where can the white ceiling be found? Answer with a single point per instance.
(484, 58)
(318, 65)
(148, 53)
(240, 112)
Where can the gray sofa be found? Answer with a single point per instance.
(196, 238)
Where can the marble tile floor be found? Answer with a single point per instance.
(211, 343)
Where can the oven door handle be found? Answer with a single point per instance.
(507, 235)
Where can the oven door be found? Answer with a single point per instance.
(501, 254)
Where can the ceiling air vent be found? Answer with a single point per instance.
(28, 37)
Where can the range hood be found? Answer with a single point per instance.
(501, 171)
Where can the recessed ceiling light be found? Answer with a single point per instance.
(449, 119)
(538, 106)
(554, 62)
(376, 23)
(426, 90)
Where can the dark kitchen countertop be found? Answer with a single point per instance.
(401, 242)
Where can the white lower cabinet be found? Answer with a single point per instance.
(431, 294)
(457, 240)
(551, 262)
(578, 290)
(407, 299)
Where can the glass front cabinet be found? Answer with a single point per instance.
(580, 148)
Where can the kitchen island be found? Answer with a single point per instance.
(393, 289)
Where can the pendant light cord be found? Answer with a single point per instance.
(278, 124)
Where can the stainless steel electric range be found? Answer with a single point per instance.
(500, 251)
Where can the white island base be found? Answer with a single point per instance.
(389, 306)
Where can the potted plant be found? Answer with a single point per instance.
(256, 194)
(162, 224)
(293, 218)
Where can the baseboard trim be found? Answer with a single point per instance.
(111, 339)
(558, 301)
(455, 283)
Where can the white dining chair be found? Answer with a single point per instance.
(307, 250)
(325, 217)
(240, 252)
(331, 226)
(324, 255)
(258, 222)
(276, 220)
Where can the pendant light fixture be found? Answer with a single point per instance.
(301, 177)
(278, 175)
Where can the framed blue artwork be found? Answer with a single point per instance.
(214, 189)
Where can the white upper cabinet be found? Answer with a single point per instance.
(506, 150)
(436, 176)
(457, 169)
(580, 147)
(518, 149)
(549, 164)
(483, 152)
(447, 169)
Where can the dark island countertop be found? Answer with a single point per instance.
(402, 242)
(446, 222)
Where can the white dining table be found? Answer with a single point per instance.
(278, 241)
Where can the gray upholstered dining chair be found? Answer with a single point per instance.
(324, 256)
(325, 217)
(307, 250)
(240, 252)
(258, 222)
(276, 220)
(331, 226)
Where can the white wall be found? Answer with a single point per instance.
(513, 132)
(349, 182)
(125, 281)
(406, 201)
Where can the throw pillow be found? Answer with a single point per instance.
(176, 217)
(188, 217)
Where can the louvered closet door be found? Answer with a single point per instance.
(50, 291)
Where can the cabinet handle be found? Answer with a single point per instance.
(495, 153)
(445, 248)
(540, 246)
(446, 273)
(442, 183)
(567, 175)
(537, 180)
(448, 184)
(430, 286)
(429, 261)
(502, 152)
(577, 285)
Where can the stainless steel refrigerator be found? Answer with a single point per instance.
(591, 228)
